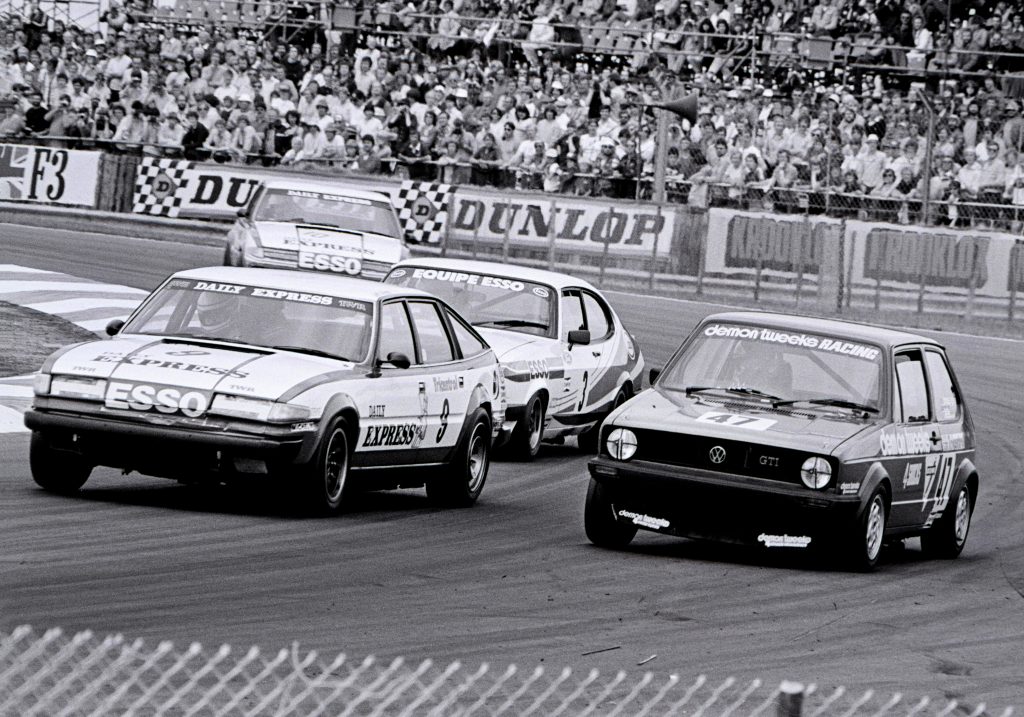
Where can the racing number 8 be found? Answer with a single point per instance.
(583, 391)
(445, 412)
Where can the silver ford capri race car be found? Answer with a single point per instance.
(324, 382)
(317, 226)
(566, 358)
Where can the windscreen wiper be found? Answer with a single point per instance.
(742, 390)
(837, 402)
(311, 352)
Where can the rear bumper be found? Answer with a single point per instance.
(703, 504)
(173, 451)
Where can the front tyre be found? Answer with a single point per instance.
(947, 538)
(865, 544)
(603, 528)
(527, 435)
(56, 471)
(325, 485)
(461, 483)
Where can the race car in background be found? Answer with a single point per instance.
(792, 433)
(566, 358)
(317, 226)
(322, 382)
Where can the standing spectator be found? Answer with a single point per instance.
(487, 162)
(171, 136)
(416, 157)
(60, 118)
(872, 162)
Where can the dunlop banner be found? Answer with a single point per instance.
(940, 257)
(739, 242)
(49, 175)
(566, 221)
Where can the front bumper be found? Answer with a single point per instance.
(173, 450)
(703, 504)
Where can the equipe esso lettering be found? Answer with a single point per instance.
(460, 277)
(142, 397)
(325, 262)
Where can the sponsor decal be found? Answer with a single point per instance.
(904, 441)
(849, 488)
(643, 520)
(376, 410)
(818, 343)
(175, 365)
(736, 420)
(146, 397)
(541, 292)
(753, 242)
(189, 352)
(398, 273)
(912, 475)
(444, 384)
(769, 461)
(717, 455)
(328, 262)
(784, 541)
(219, 288)
(909, 256)
(461, 277)
(48, 175)
(292, 296)
(279, 294)
(954, 441)
(400, 434)
(84, 369)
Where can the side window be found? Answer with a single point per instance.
(395, 331)
(572, 314)
(946, 400)
(911, 388)
(598, 317)
(435, 346)
(467, 340)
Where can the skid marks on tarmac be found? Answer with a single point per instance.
(88, 304)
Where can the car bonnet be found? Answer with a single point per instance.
(202, 366)
(340, 241)
(514, 345)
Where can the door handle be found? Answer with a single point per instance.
(595, 354)
(423, 387)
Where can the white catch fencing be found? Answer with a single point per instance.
(54, 674)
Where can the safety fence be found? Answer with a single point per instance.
(55, 673)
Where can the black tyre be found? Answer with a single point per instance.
(865, 544)
(461, 482)
(588, 440)
(56, 471)
(526, 438)
(948, 536)
(603, 528)
(325, 485)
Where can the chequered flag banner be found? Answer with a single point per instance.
(158, 186)
(423, 210)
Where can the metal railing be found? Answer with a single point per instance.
(54, 673)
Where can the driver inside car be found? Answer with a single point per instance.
(763, 366)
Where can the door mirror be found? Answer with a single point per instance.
(114, 327)
(580, 336)
(398, 360)
(653, 375)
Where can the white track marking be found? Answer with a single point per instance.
(67, 306)
(52, 287)
(17, 269)
(11, 390)
(11, 421)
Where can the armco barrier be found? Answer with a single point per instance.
(82, 674)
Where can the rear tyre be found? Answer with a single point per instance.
(527, 435)
(865, 544)
(56, 471)
(603, 528)
(325, 487)
(947, 538)
(462, 481)
(588, 440)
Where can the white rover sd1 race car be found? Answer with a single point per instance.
(317, 226)
(566, 358)
(324, 382)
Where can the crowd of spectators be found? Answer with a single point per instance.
(507, 94)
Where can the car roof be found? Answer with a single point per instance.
(851, 330)
(307, 282)
(328, 187)
(494, 268)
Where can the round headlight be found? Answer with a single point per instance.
(816, 472)
(621, 444)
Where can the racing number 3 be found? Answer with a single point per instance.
(445, 412)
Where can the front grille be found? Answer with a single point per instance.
(289, 255)
(749, 459)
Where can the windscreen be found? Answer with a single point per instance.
(311, 323)
(788, 365)
(485, 300)
(336, 210)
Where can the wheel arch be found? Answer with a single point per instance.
(878, 477)
(339, 406)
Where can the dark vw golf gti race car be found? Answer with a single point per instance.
(792, 433)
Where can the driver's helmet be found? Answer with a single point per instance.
(216, 312)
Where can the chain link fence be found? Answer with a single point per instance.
(55, 674)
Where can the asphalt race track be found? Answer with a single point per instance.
(514, 578)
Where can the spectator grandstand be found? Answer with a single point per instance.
(805, 107)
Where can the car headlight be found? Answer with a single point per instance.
(251, 244)
(256, 409)
(621, 444)
(41, 384)
(83, 387)
(816, 472)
